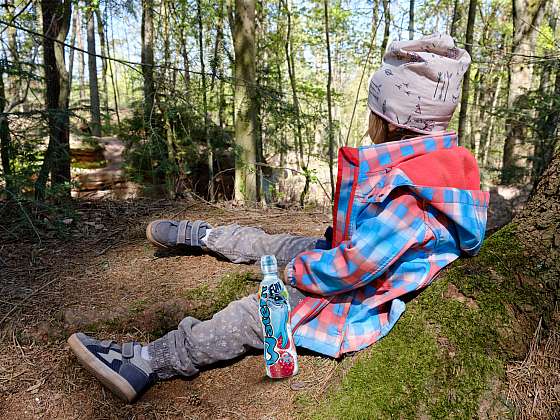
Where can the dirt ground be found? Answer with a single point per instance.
(102, 272)
(52, 288)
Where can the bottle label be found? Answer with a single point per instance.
(274, 310)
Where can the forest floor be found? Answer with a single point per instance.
(93, 271)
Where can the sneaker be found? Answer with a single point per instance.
(172, 233)
(121, 369)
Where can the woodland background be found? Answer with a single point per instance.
(249, 100)
(182, 110)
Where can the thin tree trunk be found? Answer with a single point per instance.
(6, 147)
(14, 85)
(411, 20)
(165, 103)
(245, 107)
(456, 18)
(92, 67)
(81, 61)
(387, 19)
(486, 140)
(71, 54)
(329, 100)
(292, 75)
(205, 103)
(56, 23)
(104, 65)
(112, 74)
(148, 59)
(466, 80)
(5, 138)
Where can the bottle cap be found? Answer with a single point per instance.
(269, 264)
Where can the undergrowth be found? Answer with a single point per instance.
(444, 357)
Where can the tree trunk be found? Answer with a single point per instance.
(5, 138)
(288, 47)
(104, 65)
(148, 59)
(12, 92)
(92, 67)
(81, 61)
(113, 77)
(56, 16)
(527, 15)
(329, 100)
(486, 140)
(411, 20)
(245, 106)
(387, 19)
(456, 18)
(75, 28)
(466, 80)
(14, 84)
(205, 103)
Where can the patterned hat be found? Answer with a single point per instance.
(419, 83)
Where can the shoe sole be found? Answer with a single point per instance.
(151, 238)
(112, 380)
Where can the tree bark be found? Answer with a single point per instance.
(456, 18)
(148, 59)
(205, 102)
(411, 20)
(288, 47)
(75, 29)
(245, 101)
(386, 31)
(92, 67)
(81, 61)
(5, 138)
(527, 15)
(486, 139)
(329, 100)
(104, 65)
(466, 79)
(56, 16)
(113, 77)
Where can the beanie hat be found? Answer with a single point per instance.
(419, 82)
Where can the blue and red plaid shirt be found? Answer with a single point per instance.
(403, 211)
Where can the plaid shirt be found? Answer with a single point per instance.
(392, 235)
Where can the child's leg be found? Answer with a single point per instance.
(196, 344)
(239, 244)
(245, 244)
(130, 369)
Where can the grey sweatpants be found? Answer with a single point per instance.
(235, 329)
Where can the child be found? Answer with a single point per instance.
(404, 208)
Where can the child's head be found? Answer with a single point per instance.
(417, 88)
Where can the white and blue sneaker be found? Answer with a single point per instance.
(120, 368)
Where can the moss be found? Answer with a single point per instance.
(230, 288)
(157, 319)
(443, 356)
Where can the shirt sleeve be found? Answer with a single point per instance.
(374, 246)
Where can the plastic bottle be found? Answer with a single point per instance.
(274, 309)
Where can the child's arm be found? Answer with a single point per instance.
(375, 245)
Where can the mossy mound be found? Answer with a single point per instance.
(446, 357)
